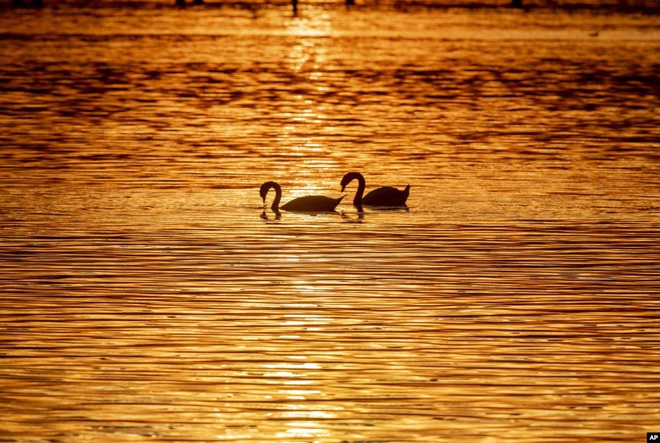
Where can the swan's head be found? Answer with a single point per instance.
(263, 191)
(349, 177)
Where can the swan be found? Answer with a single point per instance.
(385, 196)
(309, 203)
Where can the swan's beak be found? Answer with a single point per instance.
(342, 188)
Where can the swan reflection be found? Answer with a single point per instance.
(350, 219)
(277, 215)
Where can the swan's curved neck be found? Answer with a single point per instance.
(357, 200)
(278, 195)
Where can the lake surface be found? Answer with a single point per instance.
(146, 295)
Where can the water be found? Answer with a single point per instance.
(147, 296)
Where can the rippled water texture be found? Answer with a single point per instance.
(146, 295)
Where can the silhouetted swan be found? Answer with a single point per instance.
(385, 196)
(309, 203)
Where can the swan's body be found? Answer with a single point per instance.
(309, 203)
(385, 196)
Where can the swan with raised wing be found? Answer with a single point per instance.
(308, 203)
(385, 196)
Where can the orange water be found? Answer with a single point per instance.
(147, 296)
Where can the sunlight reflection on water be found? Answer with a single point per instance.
(148, 295)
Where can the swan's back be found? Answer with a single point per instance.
(312, 203)
(387, 196)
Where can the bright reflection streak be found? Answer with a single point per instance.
(293, 366)
(309, 414)
(305, 319)
(283, 374)
(307, 58)
(308, 429)
(316, 24)
(301, 392)
(297, 377)
(307, 289)
(298, 391)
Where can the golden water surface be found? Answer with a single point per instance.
(146, 295)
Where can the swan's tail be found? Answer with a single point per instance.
(337, 201)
